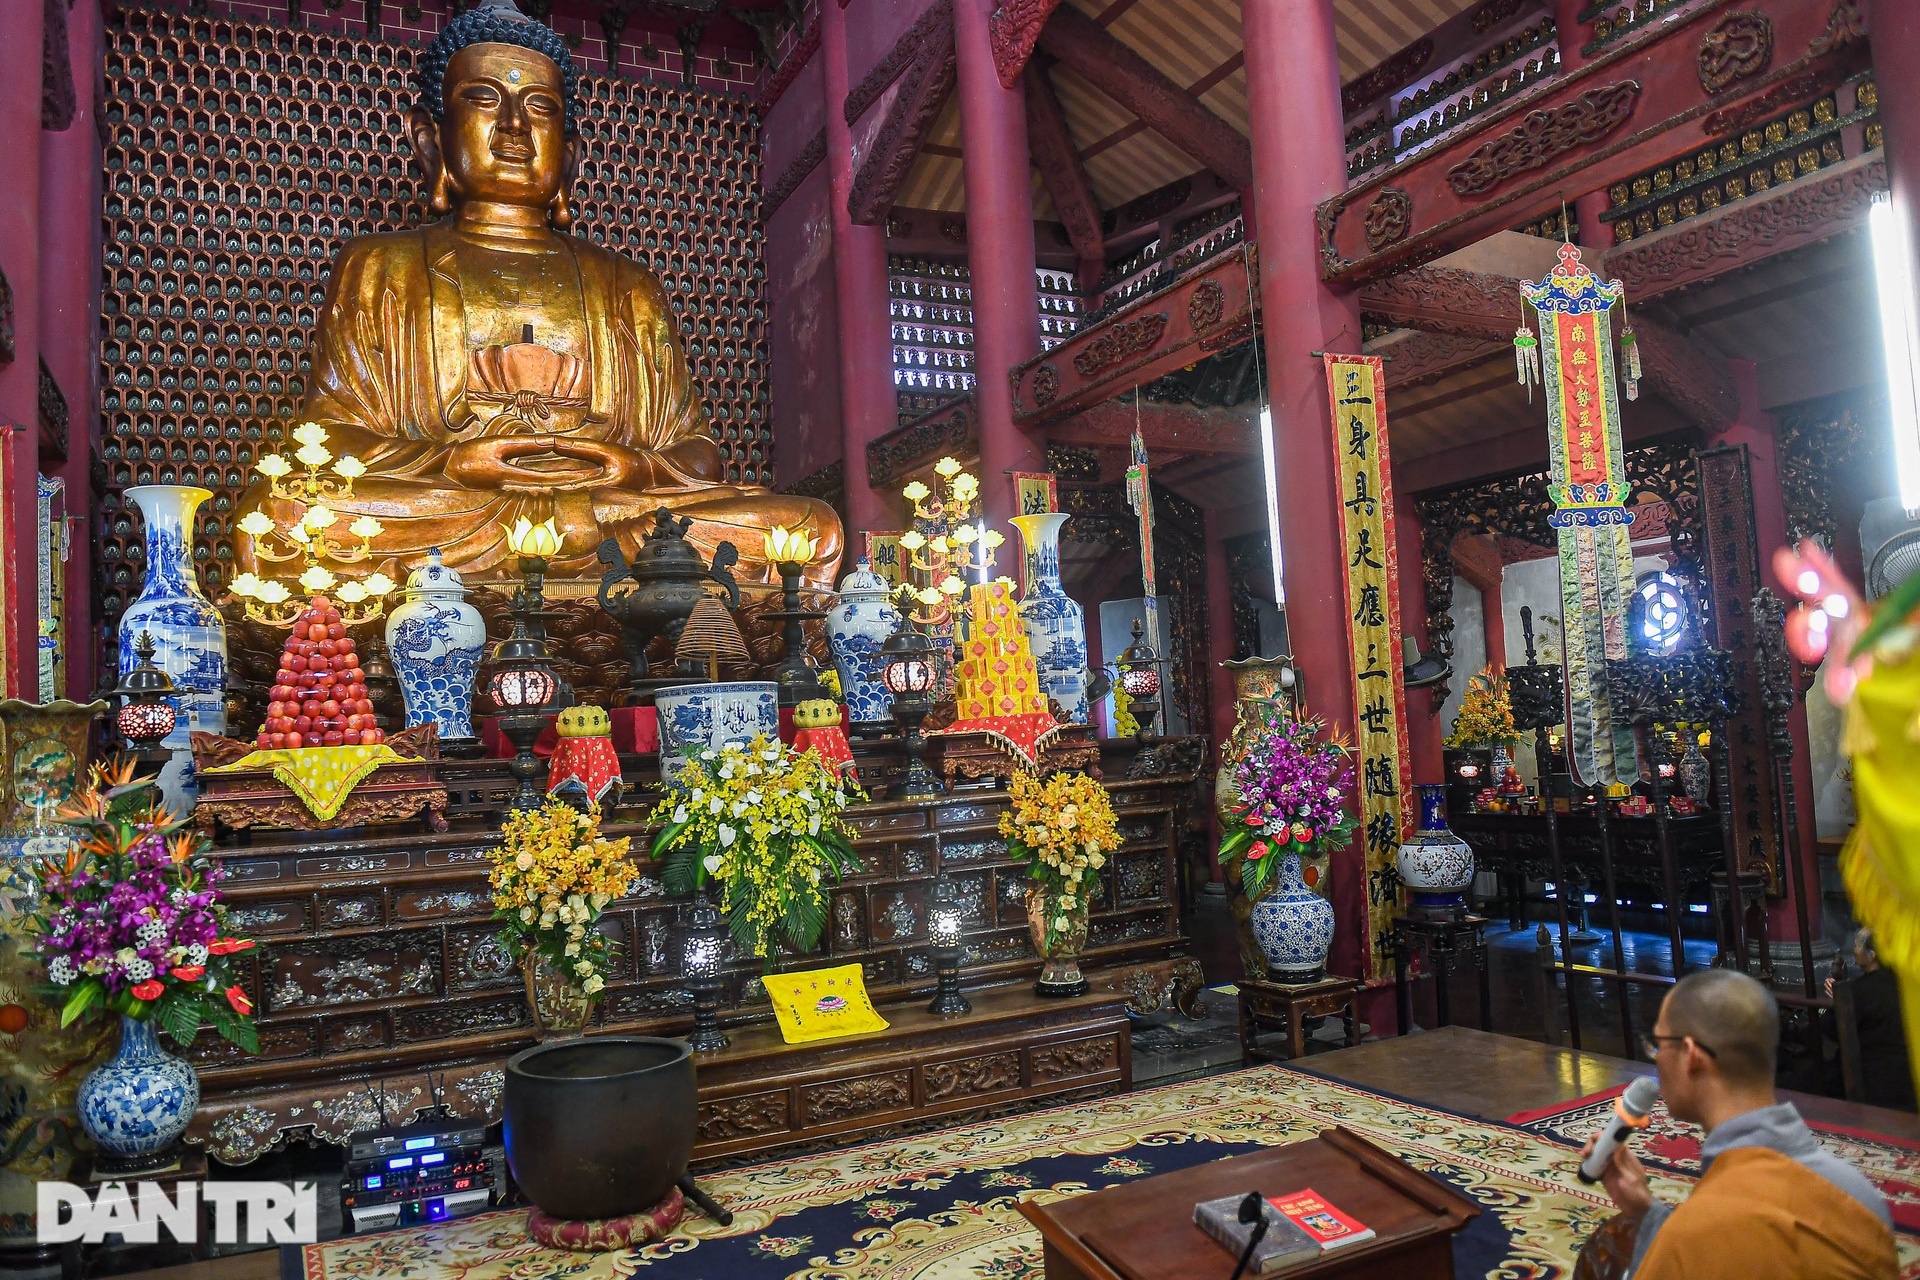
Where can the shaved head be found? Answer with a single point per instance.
(1729, 1013)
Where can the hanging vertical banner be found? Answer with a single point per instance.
(1140, 498)
(883, 553)
(52, 582)
(1589, 491)
(1037, 491)
(1356, 386)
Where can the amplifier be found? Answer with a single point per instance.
(425, 1172)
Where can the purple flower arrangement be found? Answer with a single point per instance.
(129, 920)
(1293, 786)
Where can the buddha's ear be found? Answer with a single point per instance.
(562, 207)
(424, 133)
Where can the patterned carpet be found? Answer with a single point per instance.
(942, 1206)
(1674, 1147)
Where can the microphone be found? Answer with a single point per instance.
(1253, 1212)
(1630, 1111)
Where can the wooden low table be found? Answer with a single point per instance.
(1275, 1006)
(400, 790)
(1144, 1230)
(1444, 944)
(761, 1092)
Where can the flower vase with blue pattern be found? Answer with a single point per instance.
(1056, 625)
(189, 635)
(1293, 926)
(136, 1104)
(1435, 865)
(728, 714)
(857, 626)
(435, 639)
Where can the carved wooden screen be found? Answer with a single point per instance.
(239, 157)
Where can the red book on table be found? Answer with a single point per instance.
(1329, 1227)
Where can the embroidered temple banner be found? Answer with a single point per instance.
(1587, 482)
(1038, 492)
(883, 554)
(1140, 498)
(1357, 386)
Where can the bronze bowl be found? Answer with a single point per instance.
(600, 1127)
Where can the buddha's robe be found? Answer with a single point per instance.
(1772, 1205)
(403, 371)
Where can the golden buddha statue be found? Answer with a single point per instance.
(489, 366)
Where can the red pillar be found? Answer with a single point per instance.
(1299, 160)
(1584, 213)
(1000, 254)
(1754, 428)
(1894, 29)
(69, 311)
(1424, 730)
(867, 404)
(20, 381)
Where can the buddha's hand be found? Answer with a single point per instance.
(546, 464)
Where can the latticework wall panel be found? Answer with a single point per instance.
(239, 157)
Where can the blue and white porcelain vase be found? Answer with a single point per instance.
(138, 1102)
(1436, 865)
(856, 628)
(435, 638)
(1056, 625)
(189, 635)
(1293, 926)
(728, 714)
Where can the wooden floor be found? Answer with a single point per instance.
(1455, 1068)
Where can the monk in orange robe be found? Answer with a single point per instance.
(1773, 1204)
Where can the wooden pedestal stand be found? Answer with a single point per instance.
(397, 791)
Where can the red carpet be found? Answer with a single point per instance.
(1667, 1144)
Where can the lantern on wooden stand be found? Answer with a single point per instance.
(907, 670)
(147, 714)
(703, 946)
(943, 931)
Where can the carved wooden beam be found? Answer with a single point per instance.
(907, 50)
(1169, 429)
(1651, 97)
(1012, 29)
(917, 100)
(1102, 61)
(1816, 207)
(1204, 311)
(949, 429)
(1416, 359)
(1051, 149)
(1478, 304)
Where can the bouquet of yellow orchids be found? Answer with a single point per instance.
(1064, 829)
(553, 874)
(765, 822)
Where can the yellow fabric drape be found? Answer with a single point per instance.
(323, 777)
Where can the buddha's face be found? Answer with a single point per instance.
(503, 135)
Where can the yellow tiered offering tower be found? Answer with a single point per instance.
(995, 676)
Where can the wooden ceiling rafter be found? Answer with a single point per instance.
(921, 96)
(1051, 149)
(1082, 45)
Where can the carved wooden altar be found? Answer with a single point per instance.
(377, 960)
(397, 791)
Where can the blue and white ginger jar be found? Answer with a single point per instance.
(1435, 865)
(436, 638)
(729, 714)
(856, 628)
(1293, 926)
(189, 635)
(141, 1100)
(1056, 624)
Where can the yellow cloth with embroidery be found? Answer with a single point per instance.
(323, 777)
(822, 1004)
(1882, 858)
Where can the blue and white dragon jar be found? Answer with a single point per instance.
(1293, 926)
(1056, 624)
(856, 628)
(189, 635)
(141, 1100)
(436, 638)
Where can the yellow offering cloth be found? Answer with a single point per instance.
(323, 777)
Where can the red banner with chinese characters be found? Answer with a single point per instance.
(1382, 764)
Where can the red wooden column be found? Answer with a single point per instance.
(1299, 160)
(69, 312)
(20, 77)
(1000, 254)
(1893, 26)
(1584, 212)
(867, 404)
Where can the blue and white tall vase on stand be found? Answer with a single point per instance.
(856, 628)
(189, 635)
(136, 1105)
(1056, 625)
(435, 639)
(1293, 926)
(1435, 865)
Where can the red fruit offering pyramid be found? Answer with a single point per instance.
(319, 696)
